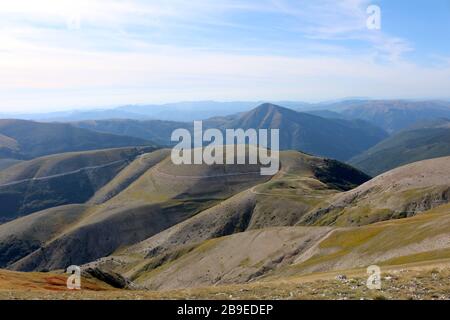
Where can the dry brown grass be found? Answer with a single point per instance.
(413, 281)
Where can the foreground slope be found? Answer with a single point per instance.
(415, 281)
(277, 253)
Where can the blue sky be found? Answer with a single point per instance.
(61, 54)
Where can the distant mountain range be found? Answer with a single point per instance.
(341, 130)
(392, 115)
(334, 138)
(180, 111)
(158, 131)
(21, 139)
(423, 141)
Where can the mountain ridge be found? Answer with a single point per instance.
(31, 139)
(333, 138)
(423, 141)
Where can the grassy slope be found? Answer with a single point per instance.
(66, 162)
(277, 253)
(128, 175)
(411, 281)
(37, 285)
(399, 193)
(27, 234)
(423, 237)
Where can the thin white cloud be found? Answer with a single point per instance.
(116, 55)
(342, 20)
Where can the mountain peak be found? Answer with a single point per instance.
(268, 107)
(265, 115)
(269, 111)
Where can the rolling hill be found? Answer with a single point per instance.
(163, 195)
(50, 181)
(423, 141)
(21, 139)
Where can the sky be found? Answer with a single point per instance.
(64, 54)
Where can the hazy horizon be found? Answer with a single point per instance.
(256, 102)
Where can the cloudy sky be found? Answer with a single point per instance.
(63, 54)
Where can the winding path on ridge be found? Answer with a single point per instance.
(62, 174)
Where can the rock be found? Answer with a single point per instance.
(113, 279)
(341, 277)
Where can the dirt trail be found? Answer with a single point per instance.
(62, 174)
